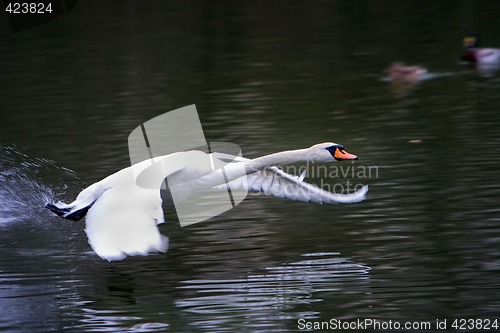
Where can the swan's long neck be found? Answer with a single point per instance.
(281, 158)
(235, 170)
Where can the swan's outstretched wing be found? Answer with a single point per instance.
(278, 183)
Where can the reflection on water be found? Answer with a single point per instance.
(268, 78)
(263, 302)
(487, 70)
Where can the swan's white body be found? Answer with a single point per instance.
(123, 213)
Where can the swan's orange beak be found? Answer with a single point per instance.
(341, 154)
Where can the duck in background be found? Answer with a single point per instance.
(479, 55)
(399, 72)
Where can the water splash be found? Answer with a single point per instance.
(19, 195)
(23, 193)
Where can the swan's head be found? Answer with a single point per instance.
(328, 151)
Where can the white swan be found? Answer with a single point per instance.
(123, 210)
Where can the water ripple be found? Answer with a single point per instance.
(275, 293)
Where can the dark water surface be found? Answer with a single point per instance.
(268, 77)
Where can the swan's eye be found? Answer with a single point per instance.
(338, 152)
(334, 148)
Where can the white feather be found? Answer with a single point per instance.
(120, 224)
(275, 182)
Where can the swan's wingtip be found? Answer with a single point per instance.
(364, 189)
(362, 192)
(355, 197)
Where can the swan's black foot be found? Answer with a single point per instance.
(65, 212)
(59, 211)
